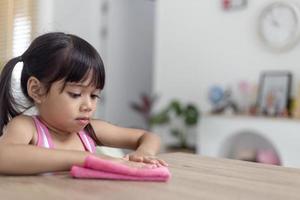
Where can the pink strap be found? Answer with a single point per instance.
(44, 138)
(91, 141)
(87, 141)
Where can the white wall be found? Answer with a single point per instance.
(45, 16)
(130, 58)
(71, 16)
(198, 44)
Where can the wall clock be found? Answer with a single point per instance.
(278, 25)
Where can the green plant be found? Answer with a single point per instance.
(144, 106)
(188, 115)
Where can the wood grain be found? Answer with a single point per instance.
(193, 177)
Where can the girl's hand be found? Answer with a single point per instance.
(129, 163)
(145, 158)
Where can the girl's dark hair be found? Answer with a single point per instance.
(51, 57)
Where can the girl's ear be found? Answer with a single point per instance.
(35, 89)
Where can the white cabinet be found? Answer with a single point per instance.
(218, 135)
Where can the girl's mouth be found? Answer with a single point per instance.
(83, 121)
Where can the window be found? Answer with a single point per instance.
(17, 22)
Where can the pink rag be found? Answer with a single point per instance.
(95, 167)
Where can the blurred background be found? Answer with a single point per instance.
(217, 78)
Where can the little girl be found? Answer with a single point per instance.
(62, 77)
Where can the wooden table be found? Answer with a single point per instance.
(194, 177)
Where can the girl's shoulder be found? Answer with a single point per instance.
(21, 127)
(23, 120)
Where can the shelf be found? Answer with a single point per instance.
(254, 117)
(216, 131)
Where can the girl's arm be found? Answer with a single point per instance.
(145, 144)
(17, 156)
(21, 159)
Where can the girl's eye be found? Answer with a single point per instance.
(95, 96)
(74, 95)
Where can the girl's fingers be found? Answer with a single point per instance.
(126, 157)
(156, 161)
(150, 160)
(163, 163)
(136, 158)
(146, 159)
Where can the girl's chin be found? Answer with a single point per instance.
(78, 128)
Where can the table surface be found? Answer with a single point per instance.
(193, 177)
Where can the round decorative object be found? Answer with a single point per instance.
(216, 95)
(268, 157)
(279, 25)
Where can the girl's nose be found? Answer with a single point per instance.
(86, 105)
(86, 109)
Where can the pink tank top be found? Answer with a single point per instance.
(44, 137)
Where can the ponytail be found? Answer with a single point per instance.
(7, 102)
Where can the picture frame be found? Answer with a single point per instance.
(274, 93)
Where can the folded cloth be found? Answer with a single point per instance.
(81, 172)
(95, 167)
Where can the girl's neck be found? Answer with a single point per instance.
(54, 131)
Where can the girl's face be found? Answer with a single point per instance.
(70, 110)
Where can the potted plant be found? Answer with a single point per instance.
(144, 107)
(180, 119)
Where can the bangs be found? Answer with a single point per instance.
(80, 63)
(80, 69)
